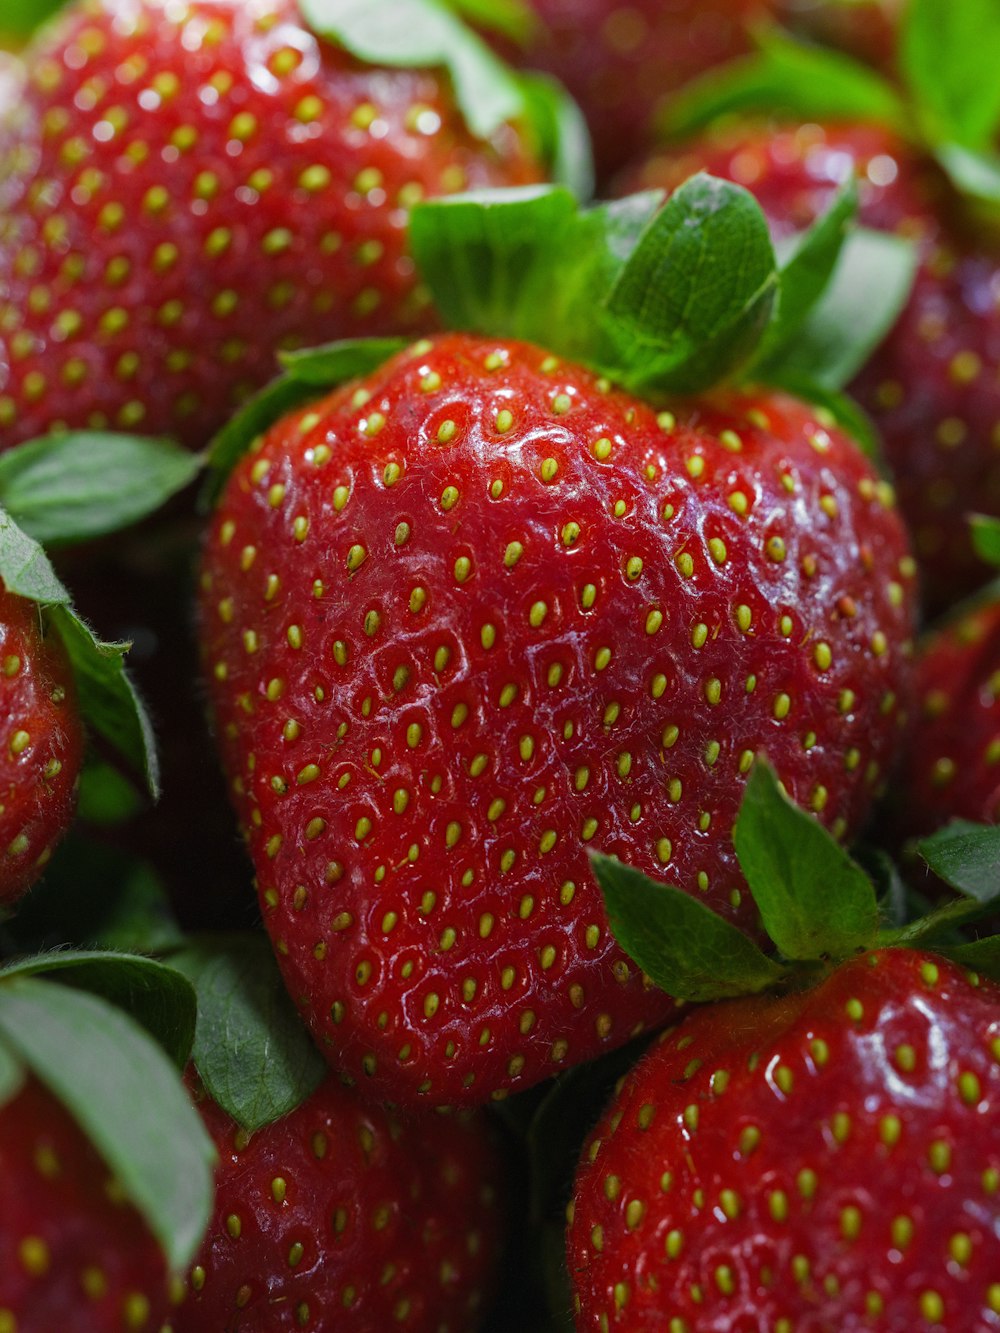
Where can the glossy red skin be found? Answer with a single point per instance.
(312, 249)
(408, 1215)
(933, 386)
(953, 767)
(497, 967)
(757, 1223)
(73, 1257)
(41, 745)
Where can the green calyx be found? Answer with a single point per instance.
(947, 102)
(431, 34)
(816, 904)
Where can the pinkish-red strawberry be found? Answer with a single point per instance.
(933, 387)
(481, 613)
(74, 1254)
(345, 1215)
(41, 746)
(827, 1159)
(191, 187)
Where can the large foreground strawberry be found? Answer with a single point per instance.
(479, 612)
(823, 1154)
(190, 188)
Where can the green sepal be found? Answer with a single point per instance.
(974, 174)
(423, 34)
(788, 77)
(939, 925)
(695, 296)
(870, 285)
(982, 956)
(159, 999)
(106, 796)
(12, 1074)
(108, 699)
(126, 1095)
(308, 373)
(949, 53)
(22, 17)
(967, 857)
(75, 486)
(250, 1048)
(814, 901)
(561, 128)
(689, 951)
(985, 531)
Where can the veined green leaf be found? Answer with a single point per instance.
(949, 56)
(966, 856)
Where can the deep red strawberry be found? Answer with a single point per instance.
(826, 1160)
(482, 613)
(41, 749)
(74, 1254)
(933, 387)
(342, 1214)
(193, 187)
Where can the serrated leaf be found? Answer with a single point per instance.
(251, 1048)
(974, 174)
(682, 945)
(12, 1074)
(869, 288)
(985, 531)
(154, 995)
(330, 364)
(109, 700)
(80, 485)
(128, 1098)
(695, 295)
(806, 270)
(562, 130)
(815, 901)
(25, 568)
(423, 34)
(966, 856)
(807, 82)
(949, 56)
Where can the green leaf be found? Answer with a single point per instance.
(155, 996)
(949, 56)
(128, 1098)
(981, 956)
(940, 926)
(807, 269)
(986, 537)
(330, 364)
(251, 1048)
(99, 896)
(966, 856)
(974, 174)
(22, 17)
(25, 568)
(687, 950)
(870, 286)
(481, 254)
(694, 297)
(815, 901)
(75, 486)
(12, 1074)
(106, 797)
(422, 33)
(562, 131)
(807, 82)
(108, 699)
(513, 19)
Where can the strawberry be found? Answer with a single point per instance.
(343, 1214)
(42, 748)
(74, 1254)
(480, 612)
(192, 187)
(827, 1159)
(933, 386)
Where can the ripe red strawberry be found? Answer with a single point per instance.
(480, 613)
(194, 186)
(74, 1255)
(344, 1215)
(828, 1159)
(933, 387)
(41, 748)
